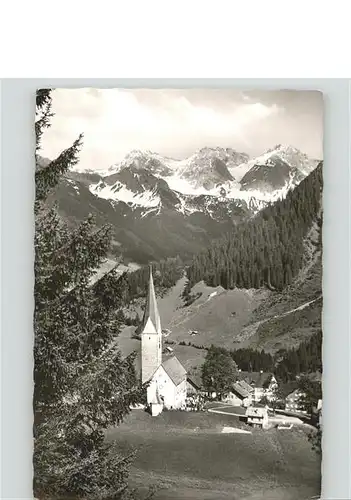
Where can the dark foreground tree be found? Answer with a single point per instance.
(82, 383)
(312, 392)
(219, 371)
(315, 438)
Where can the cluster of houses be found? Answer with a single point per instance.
(250, 388)
(253, 391)
(247, 391)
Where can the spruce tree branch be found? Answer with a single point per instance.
(46, 179)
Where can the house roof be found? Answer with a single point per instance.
(294, 394)
(255, 412)
(174, 369)
(245, 385)
(239, 390)
(256, 379)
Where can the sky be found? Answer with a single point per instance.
(176, 123)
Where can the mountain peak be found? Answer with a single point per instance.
(282, 167)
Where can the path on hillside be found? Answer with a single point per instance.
(277, 419)
(250, 330)
(218, 410)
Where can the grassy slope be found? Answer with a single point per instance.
(189, 458)
(217, 318)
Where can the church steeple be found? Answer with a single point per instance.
(151, 320)
(151, 335)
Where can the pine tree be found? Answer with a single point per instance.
(266, 249)
(82, 383)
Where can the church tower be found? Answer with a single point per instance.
(151, 335)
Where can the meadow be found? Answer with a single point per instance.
(188, 457)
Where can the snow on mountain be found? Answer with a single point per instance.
(218, 175)
(209, 167)
(119, 192)
(277, 171)
(153, 162)
(160, 207)
(290, 155)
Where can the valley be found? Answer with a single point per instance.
(159, 207)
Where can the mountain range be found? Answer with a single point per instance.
(160, 207)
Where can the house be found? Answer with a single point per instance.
(316, 415)
(238, 396)
(257, 417)
(293, 402)
(319, 410)
(246, 386)
(262, 384)
(165, 376)
(270, 388)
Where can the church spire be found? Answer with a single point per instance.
(151, 320)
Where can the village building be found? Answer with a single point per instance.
(239, 395)
(165, 375)
(262, 384)
(246, 386)
(293, 402)
(257, 417)
(319, 410)
(316, 415)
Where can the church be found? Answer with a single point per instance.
(166, 375)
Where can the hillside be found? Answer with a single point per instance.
(267, 250)
(283, 320)
(259, 319)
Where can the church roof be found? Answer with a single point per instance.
(174, 369)
(151, 319)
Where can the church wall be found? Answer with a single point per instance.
(174, 396)
(151, 352)
(166, 387)
(180, 394)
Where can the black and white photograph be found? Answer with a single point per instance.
(178, 294)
